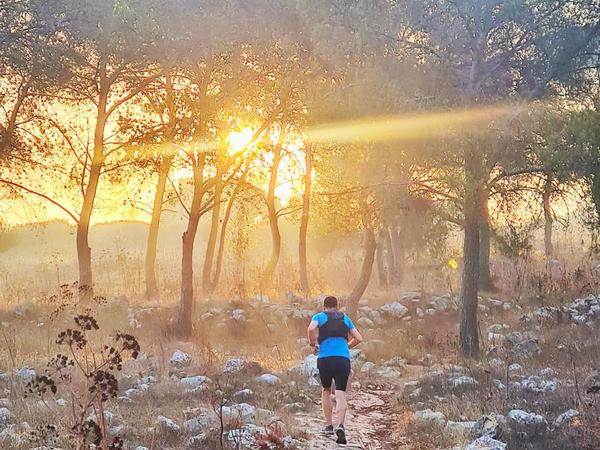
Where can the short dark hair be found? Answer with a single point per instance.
(330, 302)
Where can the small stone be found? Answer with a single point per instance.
(240, 365)
(486, 443)
(167, 425)
(389, 372)
(244, 437)
(4, 417)
(10, 437)
(592, 383)
(26, 374)
(498, 384)
(463, 383)
(198, 441)
(515, 368)
(530, 423)
(312, 381)
(396, 362)
(426, 360)
(195, 383)
(458, 430)
(439, 303)
(538, 385)
(207, 316)
(308, 366)
(565, 418)
(239, 315)
(428, 419)
(527, 348)
(486, 426)
(204, 421)
(241, 411)
(269, 379)
(496, 364)
(180, 360)
(365, 322)
(367, 367)
(243, 395)
(292, 408)
(395, 310)
(412, 296)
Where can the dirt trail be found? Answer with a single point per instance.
(370, 422)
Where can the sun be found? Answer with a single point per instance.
(239, 140)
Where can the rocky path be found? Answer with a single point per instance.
(370, 423)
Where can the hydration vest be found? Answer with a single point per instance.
(334, 327)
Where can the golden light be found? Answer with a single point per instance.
(407, 127)
(284, 192)
(239, 140)
(182, 173)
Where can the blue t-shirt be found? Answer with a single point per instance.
(333, 346)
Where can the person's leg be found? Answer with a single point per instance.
(327, 406)
(326, 376)
(341, 375)
(340, 408)
(332, 390)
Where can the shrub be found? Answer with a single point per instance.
(87, 375)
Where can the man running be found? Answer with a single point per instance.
(333, 334)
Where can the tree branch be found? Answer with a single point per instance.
(39, 194)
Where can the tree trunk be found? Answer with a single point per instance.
(548, 218)
(223, 233)
(272, 210)
(7, 137)
(222, 240)
(390, 255)
(84, 252)
(485, 276)
(186, 308)
(152, 243)
(207, 281)
(365, 271)
(469, 332)
(381, 269)
(163, 173)
(302, 256)
(397, 248)
(187, 278)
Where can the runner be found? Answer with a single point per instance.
(333, 334)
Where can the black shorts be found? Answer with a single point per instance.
(334, 368)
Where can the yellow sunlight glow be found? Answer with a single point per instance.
(239, 140)
(407, 127)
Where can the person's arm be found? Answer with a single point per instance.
(355, 338)
(312, 333)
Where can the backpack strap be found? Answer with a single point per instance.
(334, 327)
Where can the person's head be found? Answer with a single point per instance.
(330, 302)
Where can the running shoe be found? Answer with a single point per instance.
(328, 430)
(341, 435)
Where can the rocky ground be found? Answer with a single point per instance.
(247, 380)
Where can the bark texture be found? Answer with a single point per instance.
(469, 330)
(186, 307)
(548, 218)
(485, 276)
(302, 239)
(366, 269)
(84, 252)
